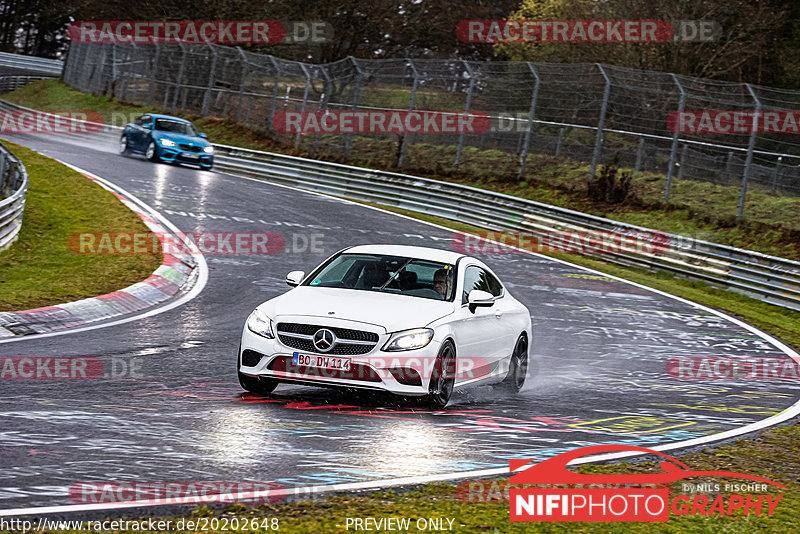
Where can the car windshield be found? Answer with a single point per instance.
(388, 274)
(180, 127)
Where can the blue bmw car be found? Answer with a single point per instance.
(168, 139)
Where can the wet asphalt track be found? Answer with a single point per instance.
(600, 349)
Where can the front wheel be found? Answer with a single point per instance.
(257, 386)
(152, 152)
(518, 367)
(443, 377)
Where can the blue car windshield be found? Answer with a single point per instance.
(388, 274)
(179, 127)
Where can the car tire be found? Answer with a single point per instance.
(124, 149)
(443, 377)
(152, 152)
(517, 368)
(255, 385)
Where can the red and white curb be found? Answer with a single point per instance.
(177, 273)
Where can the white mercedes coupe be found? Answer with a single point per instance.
(412, 321)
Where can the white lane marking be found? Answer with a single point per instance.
(790, 412)
(201, 278)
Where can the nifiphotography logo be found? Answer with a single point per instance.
(631, 503)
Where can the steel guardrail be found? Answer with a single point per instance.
(13, 191)
(767, 278)
(33, 63)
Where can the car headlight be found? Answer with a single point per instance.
(260, 324)
(167, 142)
(409, 340)
(209, 149)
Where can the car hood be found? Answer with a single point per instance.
(180, 138)
(392, 312)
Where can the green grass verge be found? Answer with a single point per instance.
(697, 209)
(39, 270)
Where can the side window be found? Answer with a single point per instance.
(477, 278)
(145, 122)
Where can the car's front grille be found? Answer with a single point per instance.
(348, 342)
(357, 371)
(190, 148)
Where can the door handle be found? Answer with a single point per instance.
(498, 313)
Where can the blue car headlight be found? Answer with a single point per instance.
(167, 142)
(209, 150)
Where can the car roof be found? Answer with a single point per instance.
(170, 117)
(422, 253)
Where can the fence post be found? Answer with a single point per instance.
(305, 100)
(673, 150)
(211, 74)
(153, 73)
(274, 104)
(242, 82)
(411, 104)
(466, 110)
(348, 140)
(598, 141)
(531, 113)
(639, 154)
(179, 80)
(323, 103)
(560, 140)
(682, 164)
(775, 173)
(750, 147)
(132, 75)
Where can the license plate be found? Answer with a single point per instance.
(321, 362)
(189, 155)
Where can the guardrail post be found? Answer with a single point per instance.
(531, 112)
(179, 79)
(639, 153)
(242, 83)
(274, 104)
(560, 141)
(598, 141)
(411, 104)
(775, 173)
(674, 149)
(750, 147)
(211, 74)
(471, 75)
(153, 73)
(348, 140)
(305, 100)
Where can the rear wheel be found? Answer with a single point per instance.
(518, 367)
(443, 378)
(256, 385)
(123, 145)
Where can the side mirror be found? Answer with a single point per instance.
(479, 299)
(294, 278)
(204, 136)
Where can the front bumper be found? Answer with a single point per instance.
(402, 373)
(176, 155)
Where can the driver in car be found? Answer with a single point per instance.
(440, 283)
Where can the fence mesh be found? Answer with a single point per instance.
(536, 108)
